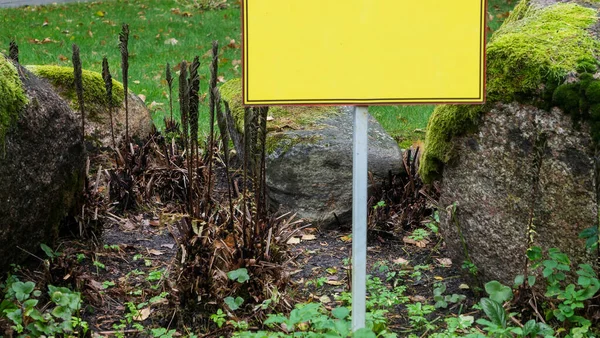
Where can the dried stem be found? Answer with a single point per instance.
(79, 88)
(13, 51)
(184, 108)
(169, 79)
(194, 88)
(214, 68)
(124, 40)
(108, 85)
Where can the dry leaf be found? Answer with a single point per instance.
(170, 246)
(400, 261)
(270, 118)
(308, 237)
(142, 97)
(463, 287)
(324, 299)
(45, 23)
(90, 34)
(438, 277)
(420, 244)
(445, 262)
(155, 252)
(143, 315)
(416, 299)
(334, 282)
(128, 225)
(293, 240)
(221, 79)
(62, 57)
(171, 41)
(346, 239)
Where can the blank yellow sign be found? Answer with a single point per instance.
(363, 51)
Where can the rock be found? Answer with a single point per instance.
(309, 157)
(40, 163)
(96, 104)
(520, 170)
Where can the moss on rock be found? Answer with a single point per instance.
(528, 59)
(94, 91)
(12, 96)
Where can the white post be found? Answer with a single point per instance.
(359, 215)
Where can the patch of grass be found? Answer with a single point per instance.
(161, 32)
(406, 124)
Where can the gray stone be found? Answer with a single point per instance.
(524, 168)
(310, 171)
(40, 171)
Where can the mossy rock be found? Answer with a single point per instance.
(97, 105)
(12, 96)
(528, 58)
(520, 170)
(40, 167)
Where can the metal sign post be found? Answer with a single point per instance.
(360, 149)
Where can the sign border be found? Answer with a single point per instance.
(480, 99)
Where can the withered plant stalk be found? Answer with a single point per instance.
(123, 46)
(214, 68)
(194, 88)
(79, 89)
(13, 51)
(184, 110)
(108, 85)
(169, 79)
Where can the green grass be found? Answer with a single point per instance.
(95, 27)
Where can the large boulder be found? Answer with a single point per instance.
(97, 106)
(520, 171)
(309, 157)
(41, 162)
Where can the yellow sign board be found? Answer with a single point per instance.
(363, 52)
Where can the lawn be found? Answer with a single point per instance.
(167, 31)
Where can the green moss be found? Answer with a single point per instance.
(283, 117)
(12, 96)
(284, 142)
(528, 58)
(94, 91)
(445, 123)
(543, 45)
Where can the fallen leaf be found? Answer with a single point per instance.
(420, 244)
(142, 97)
(143, 315)
(417, 298)
(96, 285)
(463, 287)
(171, 41)
(270, 118)
(136, 82)
(308, 237)
(46, 40)
(155, 252)
(100, 14)
(129, 225)
(170, 246)
(334, 282)
(445, 262)
(90, 34)
(62, 57)
(236, 62)
(293, 240)
(346, 238)
(324, 299)
(221, 79)
(400, 261)
(45, 23)
(331, 271)
(438, 277)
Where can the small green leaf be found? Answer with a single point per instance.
(240, 275)
(340, 312)
(364, 333)
(494, 311)
(48, 251)
(62, 312)
(232, 303)
(534, 253)
(498, 292)
(519, 280)
(531, 280)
